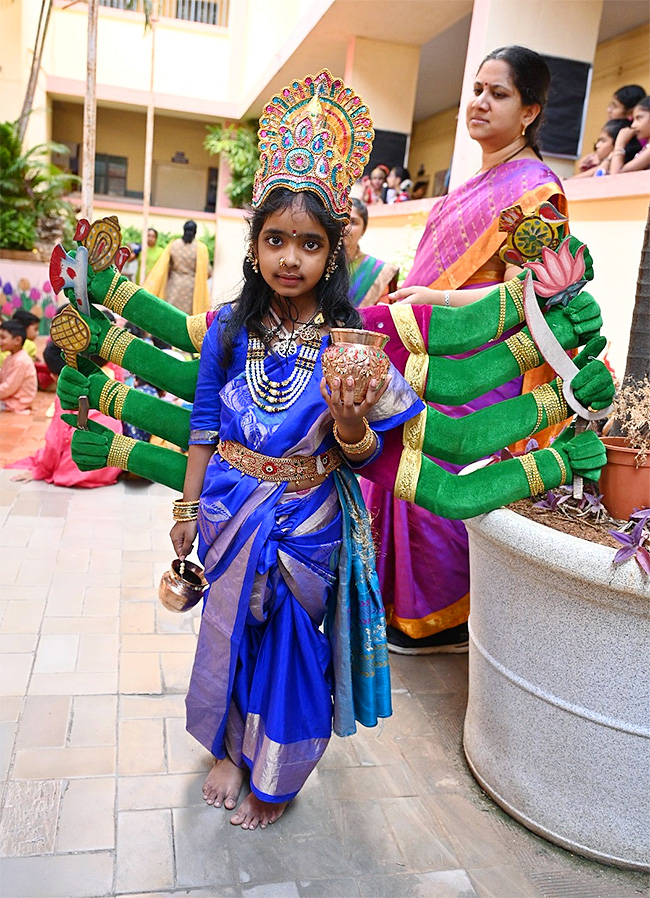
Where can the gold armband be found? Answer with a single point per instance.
(516, 291)
(534, 478)
(106, 396)
(120, 398)
(549, 403)
(117, 296)
(115, 344)
(524, 351)
(197, 327)
(502, 311)
(558, 458)
(118, 454)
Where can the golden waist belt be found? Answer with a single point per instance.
(279, 470)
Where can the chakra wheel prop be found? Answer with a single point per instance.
(529, 234)
(70, 333)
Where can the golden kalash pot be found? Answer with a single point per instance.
(182, 586)
(356, 353)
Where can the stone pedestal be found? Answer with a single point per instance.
(557, 729)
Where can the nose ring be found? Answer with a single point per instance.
(283, 262)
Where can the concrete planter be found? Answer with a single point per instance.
(557, 730)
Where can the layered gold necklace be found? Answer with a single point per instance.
(279, 395)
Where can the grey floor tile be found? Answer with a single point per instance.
(329, 888)
(444, 884)
(201, 847)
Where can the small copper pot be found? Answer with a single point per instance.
(356, 353)
(181, 587)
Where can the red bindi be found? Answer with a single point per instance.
(294, 233)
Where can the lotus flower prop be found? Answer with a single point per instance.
(559, 275)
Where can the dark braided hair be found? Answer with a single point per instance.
(256, 296)
(532, 78)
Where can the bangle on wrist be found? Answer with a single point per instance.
(185, 510)
(361, 446)
(618, 151)
(447, 298)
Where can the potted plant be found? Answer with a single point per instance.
(625, 481)
(32, 190)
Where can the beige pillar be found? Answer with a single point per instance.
(385, 75)
(565, 28)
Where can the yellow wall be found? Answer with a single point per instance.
(385, 75)
(623, 60)
(191, 61)
(432, 143)
(122, 133)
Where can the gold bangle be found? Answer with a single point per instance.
(362, 446)
(502, 311)
(185, 516)
(119, 452)
(558, 458)
(535, 482)
(121, 394)
(105, 397)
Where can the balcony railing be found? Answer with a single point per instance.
(207, 12)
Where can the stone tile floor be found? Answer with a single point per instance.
(101, 786)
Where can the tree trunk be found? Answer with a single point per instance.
(637, 365)
(39, 43)
(90, 117)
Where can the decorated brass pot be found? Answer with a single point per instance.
(356, 353)
(181, 587)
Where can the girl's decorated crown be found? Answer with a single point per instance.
(314, 135)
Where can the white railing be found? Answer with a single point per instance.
(207, 12)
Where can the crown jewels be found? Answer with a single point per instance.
(314, 135)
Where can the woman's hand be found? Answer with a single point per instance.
(417, 296)
(182, 535)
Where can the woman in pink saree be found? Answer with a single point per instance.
(422, 559)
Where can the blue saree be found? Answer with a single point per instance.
(293, 632)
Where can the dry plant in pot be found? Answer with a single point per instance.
(625, 481)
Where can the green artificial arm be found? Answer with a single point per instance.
(147, 311)
(456, 381)
(488, 430)
(117, 345)
(456, 330)
(465, 496)
(91, 450)
(166, 420)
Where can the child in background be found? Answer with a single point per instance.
(597, 163)
(53, 463)
(624, 100)
(18, 381)
(640, 130)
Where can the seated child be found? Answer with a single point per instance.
(53, 463)
(18, 382)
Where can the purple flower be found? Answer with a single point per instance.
(35, 294)
(7, 289)
(633, 541)
(47, 287)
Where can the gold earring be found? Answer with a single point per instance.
(333, 259)
(523, 131)
(252, 258)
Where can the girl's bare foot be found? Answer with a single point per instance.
(223, 784)
(254, 811)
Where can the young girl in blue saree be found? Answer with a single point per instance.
(292, 634)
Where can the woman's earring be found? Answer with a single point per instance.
(523, 131)
(252, 258)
